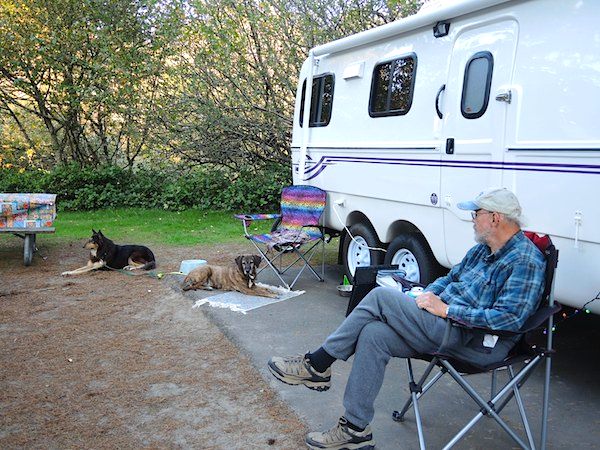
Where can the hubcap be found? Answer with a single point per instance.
(407, 261)
(358, 254)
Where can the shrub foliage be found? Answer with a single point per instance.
(215, 188)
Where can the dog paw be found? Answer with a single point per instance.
(65, 274)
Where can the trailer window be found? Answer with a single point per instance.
(321, 101)
(476, 85)
(392, 87)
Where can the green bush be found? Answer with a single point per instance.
(81, 189)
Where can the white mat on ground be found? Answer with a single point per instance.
(239, 302)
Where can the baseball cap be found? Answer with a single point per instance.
(494, 199)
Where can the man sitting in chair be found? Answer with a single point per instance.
(497, 285)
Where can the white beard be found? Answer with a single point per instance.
(481, 238)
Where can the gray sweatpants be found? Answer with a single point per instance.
(388, 323)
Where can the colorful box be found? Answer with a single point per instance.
(27, 210)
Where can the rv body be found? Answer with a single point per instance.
(410, 118)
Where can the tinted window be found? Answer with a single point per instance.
(476, 85)
(392, 87)
(321, 101)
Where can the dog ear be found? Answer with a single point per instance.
(257, 260)
(94, 231)
(238, 262)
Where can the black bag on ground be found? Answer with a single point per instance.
(364, 282)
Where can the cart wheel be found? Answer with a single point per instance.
(29, 247)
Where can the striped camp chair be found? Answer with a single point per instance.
(296, 230)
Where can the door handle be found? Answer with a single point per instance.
(437, 101)
(504, 96)
(450, 146)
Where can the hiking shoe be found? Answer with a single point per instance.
(297, 370)
(342, 437)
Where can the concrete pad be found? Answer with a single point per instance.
(301, 324)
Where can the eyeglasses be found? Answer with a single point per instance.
(476, 214)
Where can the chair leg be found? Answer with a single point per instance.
(398, 416)
(484, 405)
(508, 398)
(546, 399)
(323, 259)
(307, 262)
(280, 258)
(521, 407)
(306, 257)
(415, 401)
(493, 388)
(546, 402)
(522, 377)
(271, 265)
(511, 389)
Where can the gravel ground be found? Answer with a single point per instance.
(110, 360)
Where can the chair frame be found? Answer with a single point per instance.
(498, 398)
(288, 247)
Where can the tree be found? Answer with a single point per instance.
(203, 81)
(89, 70)
(238, 73)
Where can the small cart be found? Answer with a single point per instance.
(28, 236)
(26, 215)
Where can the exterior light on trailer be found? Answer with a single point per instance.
(441, 29)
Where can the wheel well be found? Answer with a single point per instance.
(401, 227)
(352, 219)
(358, 217)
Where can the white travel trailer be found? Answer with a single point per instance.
(409, 118)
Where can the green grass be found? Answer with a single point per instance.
(156, 226)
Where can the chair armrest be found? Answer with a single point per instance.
(533, 322)
(321, 228)
(251, 217)
(407, 284)
(503, 333)
(248, 218)
(536, 320)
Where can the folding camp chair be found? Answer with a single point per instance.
(296, 228)
(525, 352)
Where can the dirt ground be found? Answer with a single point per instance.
(109, 360)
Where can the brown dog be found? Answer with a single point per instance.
(240, 278)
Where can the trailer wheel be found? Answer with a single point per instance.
(412, 254)
(356, 253)
(28, 248)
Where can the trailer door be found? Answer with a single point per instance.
(474, 110)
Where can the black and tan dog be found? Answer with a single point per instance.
(105, 253)
(239, 278)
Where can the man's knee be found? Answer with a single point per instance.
(376, 336)
(379, 295)
(385, 300)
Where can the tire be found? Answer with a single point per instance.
(355, 252)
(412, 254)
(28, 248)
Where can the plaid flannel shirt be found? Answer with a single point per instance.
(498, 291)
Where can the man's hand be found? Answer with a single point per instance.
(432, 303)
